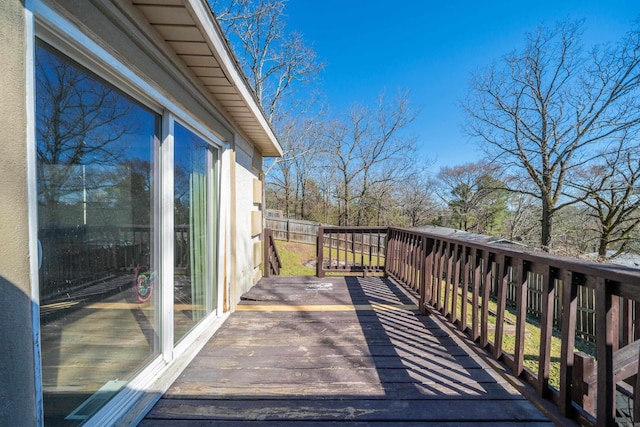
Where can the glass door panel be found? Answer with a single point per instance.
(97, 224)
(194, 210)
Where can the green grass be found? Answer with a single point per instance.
(532, 338)
(353, 257)
(294, 256)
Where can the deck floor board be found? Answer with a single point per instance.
(308, 351)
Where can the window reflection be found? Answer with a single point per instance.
(194, 204)
(96, 226)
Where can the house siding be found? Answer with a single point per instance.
(119, 28)
(245, 210)
(18, 372)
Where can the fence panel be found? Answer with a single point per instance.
(293, 230)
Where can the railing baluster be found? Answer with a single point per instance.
(626, 312)
(503, 280)
(522, 284)
(447, 279)
(569, 309)
(455, 284)
(427, 259)
(416, 263)
(409, 266)
(475, 296)
(546, 329)
(401, 261)
(486, 288)
(465, 287)
(441, 260)
(411, 263)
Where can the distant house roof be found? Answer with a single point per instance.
(191, 29)
(480, 238)
(627, 259)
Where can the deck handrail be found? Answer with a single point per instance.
(350, 250)
(272, 262)
(445, 270)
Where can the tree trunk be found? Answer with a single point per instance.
(547, 226)
(602, 247)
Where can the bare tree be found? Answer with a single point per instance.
(368, 150)
(416, 200)
(272, 59)
(610, 189)
(546, 109)
(291, 176)
(278, 65)
(522, 223)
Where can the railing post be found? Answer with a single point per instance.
(448, 281)
(456, 282)
(582, 392)
(466, 253)
(320, 253)
(427, 273)
(605, 323)
(569, 309)
(389, 262)
(503, 279)
(475, 293)
(546, 329)
(486, 289)
(522, 282)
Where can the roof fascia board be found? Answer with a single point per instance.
(209, 25)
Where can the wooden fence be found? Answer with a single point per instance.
(447, 272)
(293, 230)
(585, 312)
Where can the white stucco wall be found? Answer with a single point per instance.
(245, 239)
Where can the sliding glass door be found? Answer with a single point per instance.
(195, 207)
(100, 227)
(97, 232)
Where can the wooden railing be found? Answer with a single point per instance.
(272, 262)
(350, 250)
(455, 276)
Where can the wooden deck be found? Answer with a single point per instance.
(309, 351)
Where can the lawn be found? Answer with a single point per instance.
(296, 258)
(532, 338)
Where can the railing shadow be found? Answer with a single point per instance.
(411, 352)
(312, 351)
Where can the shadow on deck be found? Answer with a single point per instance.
(309, 351)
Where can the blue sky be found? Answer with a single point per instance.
(430, 48)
